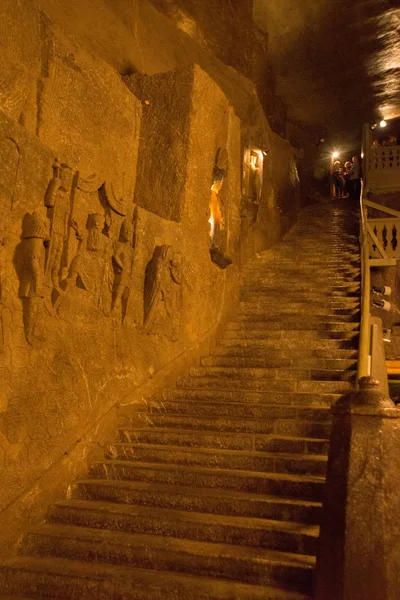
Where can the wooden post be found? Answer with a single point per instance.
(359, 552)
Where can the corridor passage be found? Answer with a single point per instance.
(215, 491)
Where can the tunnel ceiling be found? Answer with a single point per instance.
(337, 63)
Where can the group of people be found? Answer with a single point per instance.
(347, 179)
(391, 140)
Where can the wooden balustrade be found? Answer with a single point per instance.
(383, 235)
(383, 169)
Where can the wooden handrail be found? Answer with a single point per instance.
(385, 209)
(364, 360)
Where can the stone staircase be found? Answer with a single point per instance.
(214, 492)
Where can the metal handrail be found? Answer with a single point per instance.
(364, 346)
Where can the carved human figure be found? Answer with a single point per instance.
(58, 203)
(31, 269)
(162, 293)
(90, 269)
(3, 243)
(123, 264)
(174, 301)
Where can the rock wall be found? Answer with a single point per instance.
(114, 126)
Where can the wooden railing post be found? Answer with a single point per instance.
(365, 147)
(359, 551)
(363, 364)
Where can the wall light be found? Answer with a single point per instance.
(382, 123)
(335, 154)
(387, 335)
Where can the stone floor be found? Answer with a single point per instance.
(215, 491)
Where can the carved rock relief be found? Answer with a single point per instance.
(66, 249)
(163, 293)
(29, 261)
(94, 257)
(123, 267)
(3, 245)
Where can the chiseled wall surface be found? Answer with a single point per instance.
(105, 272)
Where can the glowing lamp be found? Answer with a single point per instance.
(335, 154)
(382, 123)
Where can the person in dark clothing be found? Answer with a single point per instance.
(346, 177)
(355, 178)
(337, 179)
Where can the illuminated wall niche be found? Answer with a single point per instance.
(218, 210)
(253, 161)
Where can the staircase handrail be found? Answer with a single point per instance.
(364, 359)
(381, 208)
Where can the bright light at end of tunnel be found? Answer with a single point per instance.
(382, 123)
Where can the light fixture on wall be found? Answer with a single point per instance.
(382, 304)
(387, 335)
(382, 123)
(383, 290)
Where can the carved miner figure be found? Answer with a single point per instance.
(59, 203)
(90, 269)
(163, 293)
(30, 267)
(123, 264)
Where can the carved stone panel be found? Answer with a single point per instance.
(163, 293)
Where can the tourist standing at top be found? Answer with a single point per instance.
(354, 178)
(337, 179)
(346, 177)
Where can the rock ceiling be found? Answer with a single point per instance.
(337, 63)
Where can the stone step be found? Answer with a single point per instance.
(319, 276)
(209, 439)
(282, 304)
(294, 342)
(291, 285)
(313, 252)
(288, 269)
(324, 282)
(288, 334)
(283, 385)
(270, 280)
(293, 317)
(297, 464)
(283, 295)
(284, 322)
(302, 400)
(258, 351)
(269, 373)
(273, 259)
(61, 578)
(228, 561)
(284, 426)
(321, 364)
(277, 311)
(291, 254)
(204, 500)
(286, 536)
(317, 300)
(197, 406)
(305, 487)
